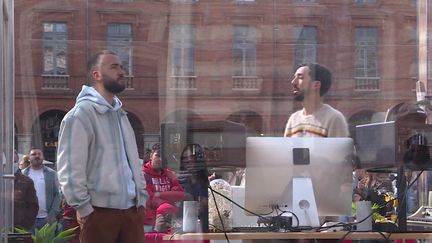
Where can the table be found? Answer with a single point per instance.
(299, 235)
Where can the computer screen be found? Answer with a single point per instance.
(273, 162)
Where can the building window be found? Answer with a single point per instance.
(244, 1)
(244, 50)
(306, 45)
(119, 38)
(366, 58)
(182, 46)
(364, 2)
(305, 1)
(183, 1)
(120, 42)
(55, 49)
(429, 52)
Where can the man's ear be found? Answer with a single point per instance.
(96, 75)
(316, 85)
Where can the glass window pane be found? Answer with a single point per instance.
(48, 27)
(182, 50)
(48, 60)
(366, 52)
(119, 38)
(205, 66)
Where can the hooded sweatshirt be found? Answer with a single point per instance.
(97, 156)
(166, 184)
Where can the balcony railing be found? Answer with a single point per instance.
(50, 81)
(183, 1)
(183, 82)
(367, 83)
(246, 83)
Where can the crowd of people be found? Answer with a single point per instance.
(39, 201)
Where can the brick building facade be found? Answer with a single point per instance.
(373, 39)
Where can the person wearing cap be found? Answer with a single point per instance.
(310, 83)
(165, 192)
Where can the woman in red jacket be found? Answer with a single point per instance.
(164, 192)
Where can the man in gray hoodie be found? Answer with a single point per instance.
(97, 159)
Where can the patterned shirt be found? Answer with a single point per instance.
(325, 122)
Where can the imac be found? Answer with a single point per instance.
(310, 177)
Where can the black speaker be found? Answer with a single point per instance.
(223, 142)
(387, 145)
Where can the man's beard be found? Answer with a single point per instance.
(36, 162)
(299, 96)
(113, 86)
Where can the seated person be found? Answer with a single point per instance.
(194, 178)
(164, 191)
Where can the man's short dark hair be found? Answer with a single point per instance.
(320, 73)
(156, 148)
(94, 60)
(34, 148)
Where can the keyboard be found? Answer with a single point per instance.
(250, 229)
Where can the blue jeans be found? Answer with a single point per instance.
(40, 222)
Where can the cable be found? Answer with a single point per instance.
(172, 236)
(404, 198)
(220, 217)
(293, 214)
(349, 232)
(267, 221)
(243, 208)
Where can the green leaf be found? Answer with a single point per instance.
(21, 231)
(64, 239)
(46, 234)
(67, 233)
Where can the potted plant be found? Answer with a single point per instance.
(47, 234)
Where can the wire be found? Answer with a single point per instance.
(293, 214)
(172, 236)
(402, 202)
(220, 217)
(216, 228)
(268, 222)
(349, 232)
(243, 208)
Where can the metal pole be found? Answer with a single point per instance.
(6, 115)
(9, 115)
(422, 26)
(2, 81)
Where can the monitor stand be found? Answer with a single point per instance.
(304, 204)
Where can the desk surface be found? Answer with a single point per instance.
(298, 235)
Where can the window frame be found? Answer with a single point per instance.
(58, 42)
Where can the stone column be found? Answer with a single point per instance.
(24, 142)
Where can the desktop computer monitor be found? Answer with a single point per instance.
(274, 164)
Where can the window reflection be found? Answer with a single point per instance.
(119, 37)
(366, 63)
(214, 60)
(55, 48)
(182, 50)
(244, 49)
(306, 44)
